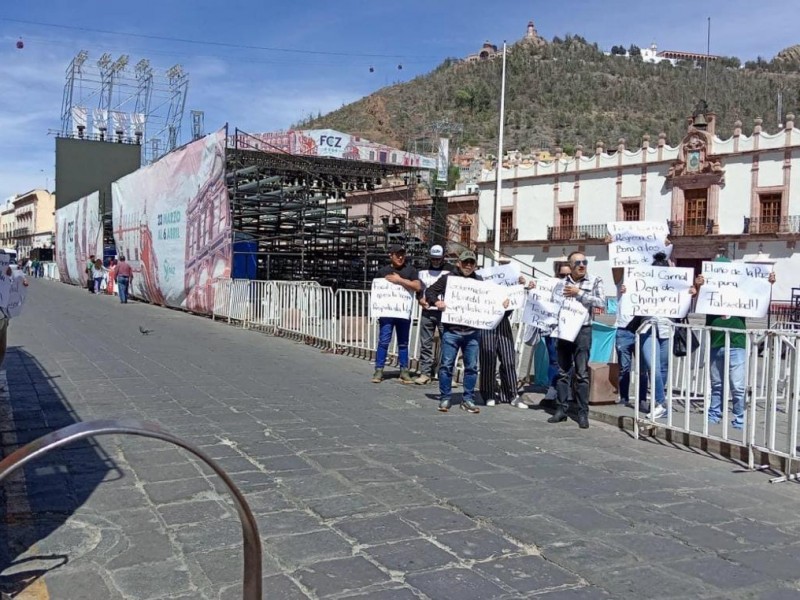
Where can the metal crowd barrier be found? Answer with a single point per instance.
(771, 392)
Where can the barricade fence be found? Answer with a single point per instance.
(737, 387)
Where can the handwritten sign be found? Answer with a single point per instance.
(635, 242)
(571, 316)
(540, 311)
(6, 281)
(390, 300)
(16, 296)
(516, 296)
(735, 289)
(428, 278)
(501, 274)
(659, 291)
(473, 303)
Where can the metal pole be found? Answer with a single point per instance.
(252, 585)
(499, 188)
(708, 54)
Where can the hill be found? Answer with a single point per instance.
(568, 92)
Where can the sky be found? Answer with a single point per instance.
(262, 65)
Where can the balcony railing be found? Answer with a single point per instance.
(582, 232)
(21, 232)
(691, 227)
(788, 224)
(506, 235)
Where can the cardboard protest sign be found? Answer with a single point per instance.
(571, 316)
(659, 291)
(428, 278)
(516, 296)
(16, 296)
(473, 303)
(540, 311)
(735, 289)
(501, 274)
(390, 300)
(635, 242)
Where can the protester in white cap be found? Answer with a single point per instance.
(431, 320)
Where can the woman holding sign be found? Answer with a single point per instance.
(399, 273)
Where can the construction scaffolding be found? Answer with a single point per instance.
(291, 219)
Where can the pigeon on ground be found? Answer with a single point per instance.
(144, 331)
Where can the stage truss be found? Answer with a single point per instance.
(291, 220)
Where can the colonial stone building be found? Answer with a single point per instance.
(740, 194)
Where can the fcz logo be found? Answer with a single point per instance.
(331, 141)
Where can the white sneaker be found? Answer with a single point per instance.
(490, 403)
(518, 403)
(660, 412)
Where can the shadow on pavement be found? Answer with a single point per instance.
(37, 500)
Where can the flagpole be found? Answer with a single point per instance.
(499, 188)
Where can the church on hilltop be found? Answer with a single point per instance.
(489, 51)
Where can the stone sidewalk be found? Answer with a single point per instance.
(360, 490)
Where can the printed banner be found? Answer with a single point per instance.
(443, 159)
(99, 120)
(473, 303)
(172, 223)
(635, 242)
(500, 274)
(735, 289)
(428, 278)
(659, 291)
(390, 300)
(79, 234)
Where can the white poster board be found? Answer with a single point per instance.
(735, 289)
(390, 300)
(473, 303)
(540, 311)
(516, 296)
(500, 274)
(659, 291)
(571, 316)
(428, 278)
(635, 242)
(6, 281)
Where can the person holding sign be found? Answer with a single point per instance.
(727, 331)
(6, 283)
(574, 356)
(431, 319)
(455, 338)
(399, 273)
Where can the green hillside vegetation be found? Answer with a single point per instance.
(568, 92)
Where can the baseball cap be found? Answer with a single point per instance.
(467, 255)
(437, 251)
(396, 249)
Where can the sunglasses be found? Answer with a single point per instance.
(468, 263)
(563, 275)
(580, 263)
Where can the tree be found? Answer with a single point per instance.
(634, 51)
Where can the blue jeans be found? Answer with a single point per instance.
(552, 356)
(469, 344)
(659, 359)
(387, 325)
(625, 342)
(98, 281)
(736, 387)
(122, 288)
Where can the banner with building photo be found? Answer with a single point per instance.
(172, 222)
(443, 159)
(79, 234)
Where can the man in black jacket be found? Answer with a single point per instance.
(431, 319)
(455, 338)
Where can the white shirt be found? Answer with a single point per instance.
(98, 273)
(624, 309)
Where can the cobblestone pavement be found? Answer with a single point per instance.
(360, 490)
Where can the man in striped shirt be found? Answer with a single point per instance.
(588, 290)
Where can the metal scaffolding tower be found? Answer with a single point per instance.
(105, 101)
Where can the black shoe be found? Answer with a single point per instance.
(559, 417)
(583, 422)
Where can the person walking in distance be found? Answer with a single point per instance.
(89, 278)
(574, 356)
(98, 272)
(397, 272)
(455, 338)
(431, 317)
(733, 328)
(124, 277)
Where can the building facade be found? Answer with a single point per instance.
(740, 194)
(34, 221)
